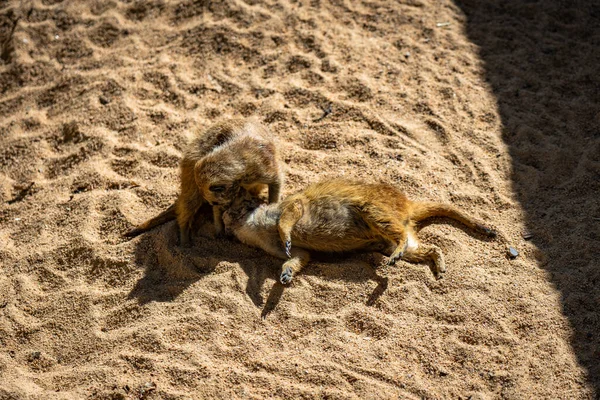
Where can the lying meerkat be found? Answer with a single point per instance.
(341, 216)
(227, 156)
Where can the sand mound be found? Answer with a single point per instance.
(97, 100)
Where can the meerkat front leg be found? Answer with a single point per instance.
(218, 220)
(299, 258)
(187, 206)
(290, 215)
(275, 190)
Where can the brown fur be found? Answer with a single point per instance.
(342, 216)
(216, 164)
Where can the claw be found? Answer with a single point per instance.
(288, 248)
(286, 276)
(392, 260)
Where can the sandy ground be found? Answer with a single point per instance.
(493, 107)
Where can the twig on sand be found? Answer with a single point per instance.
(326, 111)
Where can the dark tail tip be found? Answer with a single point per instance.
(489, 232)
(133, 233)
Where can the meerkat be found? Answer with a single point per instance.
(227, 156)
(342, 216)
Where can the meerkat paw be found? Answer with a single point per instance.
(286, 276)
(392, 260)
(219, 231)
(288, 248)
(184, 240)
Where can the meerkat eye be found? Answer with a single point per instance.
(217, 188)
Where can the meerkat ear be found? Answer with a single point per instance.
(198, 165)
(221, 138)
(197, 169)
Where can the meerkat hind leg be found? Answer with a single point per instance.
(290, 215)
(185, 220)
(427, 253)
(398, 253)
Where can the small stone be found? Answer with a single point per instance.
(407, 54)
(103, 100)
(146, 389)
(512, 252)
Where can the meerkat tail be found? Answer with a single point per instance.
(423, 210)
(168, 215)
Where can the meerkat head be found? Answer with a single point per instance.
(218, 179)
(239, 208)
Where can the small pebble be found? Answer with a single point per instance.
(407, 54)
(146, 389)
(512, 252)
(103, 100)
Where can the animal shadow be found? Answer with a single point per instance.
(170, 268)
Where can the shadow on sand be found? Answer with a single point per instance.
(171, 269)
(542, 61)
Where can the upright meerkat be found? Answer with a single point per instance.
(218, 162)
(341, 216)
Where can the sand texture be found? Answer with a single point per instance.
(493, 106)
